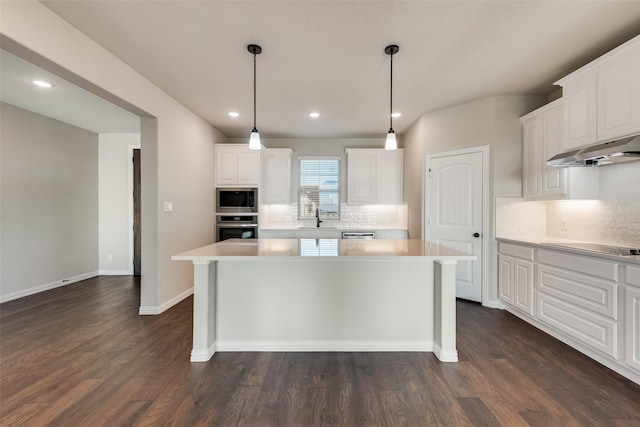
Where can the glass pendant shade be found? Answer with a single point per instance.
(391, 143)
(254, 140)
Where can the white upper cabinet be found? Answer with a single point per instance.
(237, 166)
(374, 176)
(276, 182)
(602, 99)
(619, 98)
(543, 132)
(580, 113)
(532, 156)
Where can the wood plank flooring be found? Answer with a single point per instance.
(82, 356)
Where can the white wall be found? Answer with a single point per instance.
(177, 146)
(115, 232)
(490, 121)
(49, 203)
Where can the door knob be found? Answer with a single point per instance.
(476, 235)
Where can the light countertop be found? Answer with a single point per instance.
(329, 249)
(551, 243)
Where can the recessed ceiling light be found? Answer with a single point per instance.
(233, 114)
(394, 115)
(314, 115)
(41, 83)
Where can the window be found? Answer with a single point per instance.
(319, 187)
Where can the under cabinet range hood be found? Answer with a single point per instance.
(620, 151)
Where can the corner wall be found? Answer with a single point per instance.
(177, 146)
(490, 121)
(48, 203)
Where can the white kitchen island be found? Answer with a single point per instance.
(324, 295)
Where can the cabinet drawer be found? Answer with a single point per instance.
(587, 265)
(524, 252)
(587, 327)
(633, 275)
(588, 292)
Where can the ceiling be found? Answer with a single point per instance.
(328, 56)
(65, 101)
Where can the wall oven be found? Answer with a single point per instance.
(236, 227)
(236, 200)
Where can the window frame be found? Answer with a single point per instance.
(338, 192)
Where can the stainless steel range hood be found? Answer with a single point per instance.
(620, 151)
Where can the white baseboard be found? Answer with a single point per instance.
(322, 346)
(493, 303)
(115, 273)
(149, 310)
(47, 286)
(203, 355)
(445, 356)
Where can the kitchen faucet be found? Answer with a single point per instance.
(318, 218)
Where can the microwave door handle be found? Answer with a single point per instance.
(234, 225)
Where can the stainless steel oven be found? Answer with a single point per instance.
(240, 226)
(236, 200)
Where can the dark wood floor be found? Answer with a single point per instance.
(81, 356)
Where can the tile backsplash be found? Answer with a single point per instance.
(614, 218)
(351, 217)
(602, 221)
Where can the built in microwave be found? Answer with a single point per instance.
(236, 200)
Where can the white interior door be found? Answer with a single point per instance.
(454, 214)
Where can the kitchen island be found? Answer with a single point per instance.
(324, 295)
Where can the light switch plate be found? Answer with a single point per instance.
(168, 207)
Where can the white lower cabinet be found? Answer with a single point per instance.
(324, 233)
(277, 234)
(632, 318)
(579, 296)
(391, 234)
(515, 276)
(591, 303)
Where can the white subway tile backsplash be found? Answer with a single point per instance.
(351, 216)
(517, 218)
(602, 221)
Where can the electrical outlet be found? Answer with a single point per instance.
(110, 257)
(565, 223)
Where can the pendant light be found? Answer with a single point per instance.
(391, 143)
(254, 140)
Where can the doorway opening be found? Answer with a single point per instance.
(135, 225)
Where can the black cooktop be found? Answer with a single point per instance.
(598, 247)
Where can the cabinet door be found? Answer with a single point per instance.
(362, 177)
(632, 327)
(532, 158)
(580, 113)
(276, 187)
(619, 98)
(554, 180)
(523, 286)
(389, 177)
(248, 167)
(506, 278)
(226, 166)
(391, 234)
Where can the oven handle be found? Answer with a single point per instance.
(234, 225)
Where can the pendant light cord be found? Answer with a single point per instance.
(254, 91)
(391, 96)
